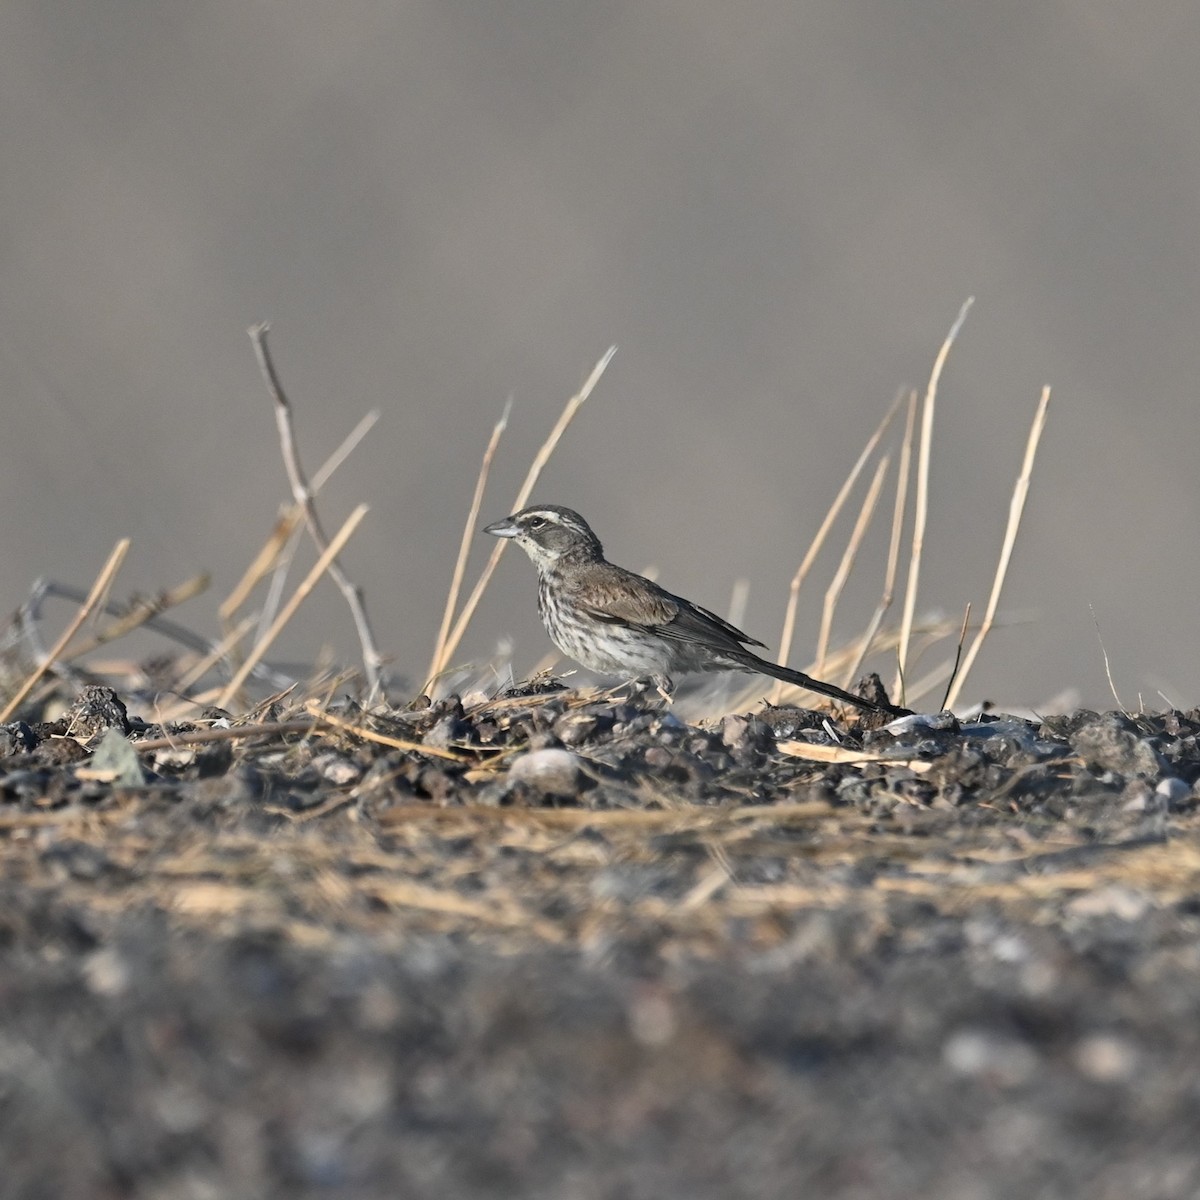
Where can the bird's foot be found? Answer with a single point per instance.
(651, 688)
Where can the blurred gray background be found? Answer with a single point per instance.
(775, 209)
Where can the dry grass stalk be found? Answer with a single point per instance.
(842, 574)
(196, 670)
(708, 886)
(278, 567)
(539, 461)
(303, 494)
(264, 562)
(141, 612)
(921, 515)
(288, 611)
(325, 471)
(1016, 509)
(818, 541)
(198, 737)
(1112, 687)
(277, 584)
(695, 817)
(87, 817)
(29, 618)
(925, 636)
(440, 652)
(94, 599)
(817, 752)
(270, 703)
(403, 893)
(958, 650)
(369, 735)
(893, 559)
(933, 679)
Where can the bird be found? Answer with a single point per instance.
(616, 622)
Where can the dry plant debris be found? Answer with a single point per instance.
(562, 817)
(317, 946)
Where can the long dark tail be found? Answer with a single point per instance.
(753, 663)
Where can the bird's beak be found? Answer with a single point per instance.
(504, 529)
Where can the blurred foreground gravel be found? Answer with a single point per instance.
(553, 946)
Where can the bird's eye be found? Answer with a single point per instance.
(538, 522)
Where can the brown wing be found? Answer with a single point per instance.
(619, 597)
(695, 624)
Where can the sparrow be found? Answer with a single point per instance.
(615, 622)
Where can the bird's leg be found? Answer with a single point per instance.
(645, 686)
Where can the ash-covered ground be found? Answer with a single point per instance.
(555, 946)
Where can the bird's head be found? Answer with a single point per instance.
(549, 534)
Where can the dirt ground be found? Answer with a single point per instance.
(553, 946)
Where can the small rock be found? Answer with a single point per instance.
(1106, 1058)
(576, 728)
(553, 772)
(1001, 1058)
(734, 730)
(106, 972)
(652, 1019)
(116, 761)
(1115, 900)
(939, 722)
(59, 752)
(336, 769)
(16, 738)
(1110, 743)
(96, 709)
(1175, 793)
(76, 859)
(1137, 797)
(174, 761)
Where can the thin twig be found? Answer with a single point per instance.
(382, 739)
(94, 597)
(560, 427)
(325, 471)
(287, 552)
(539, 461)
(925, 684)
(205, 663)
(199, 737)
(1015, 510)
(30, 614)
(288, 611)
(789, 617)
(922, 508)
(264, 561)
(842, 574)
(962, 637)
(280, 542)
(280, 568)
(440, 655)
(1112, 687)
(893, 559)
(140, 612)
(302, 493)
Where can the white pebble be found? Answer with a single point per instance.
(554, 772)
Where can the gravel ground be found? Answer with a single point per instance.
(549, 945)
